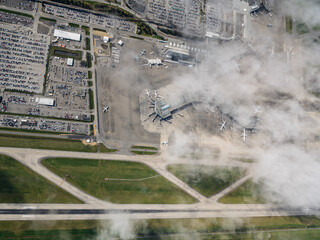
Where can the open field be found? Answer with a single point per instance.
(249, 193)
(86, 29)
(118, 181)
(144, 147)
(301, 28)
(19, 184)
(156, 229)
(143, 152)
(47, 19)
(9, 140)
(289, 24)
(207, 180)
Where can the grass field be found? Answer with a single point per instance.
(91, 99)
(87, 44)
(74, 25)
(19, 184)
(249, 193)
(157, 228)
(144, 147)
(102, 181)
(207, 180)
(65, 53)
(10, 140)
(86, 29)
(47, 19)
(144, 150)
(301, 28)
(289, 24)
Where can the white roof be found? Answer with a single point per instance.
(45, 101)
(67, 35)
(106, 39)
(120, 42)
(155, 61)
(70, 61)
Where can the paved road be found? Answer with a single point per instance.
(98, 209)
(45, 135)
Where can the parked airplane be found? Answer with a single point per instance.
(164, 143)
(244, 135)
(148, 92)
(223, 125)
(106, 109)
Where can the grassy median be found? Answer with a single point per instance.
(118, 181)
(19, 184)
(207, 180)
(248, 193)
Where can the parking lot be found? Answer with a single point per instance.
(88, 18)
(16, 19)
(32, 123)
(27, 104)
(179, 14)
(22, 59)
(20, 4)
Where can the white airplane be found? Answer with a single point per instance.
(106, 109)
(156, 94)
(258, 110)
(164, 143)
(148, 92)
(223, 125)
(307, 211)
(244, 135)
(236, 66)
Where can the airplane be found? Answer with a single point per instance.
(142, 52)
(164, 143)
(106, 109)
(223, 125)
(307, 210)
(244, 135)
(156, 94)
(258, 110)
(236, 66)
(148, 92)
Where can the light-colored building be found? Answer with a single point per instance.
(67, 35)
(45, 101)
(70, 62)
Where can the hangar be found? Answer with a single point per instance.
(67, 35)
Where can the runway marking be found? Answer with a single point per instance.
(128, 179)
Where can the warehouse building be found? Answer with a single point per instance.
(67, 35)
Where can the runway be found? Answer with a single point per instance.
(94, 208)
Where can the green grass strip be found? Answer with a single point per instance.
(19, 184)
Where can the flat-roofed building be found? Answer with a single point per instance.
(67, 35)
